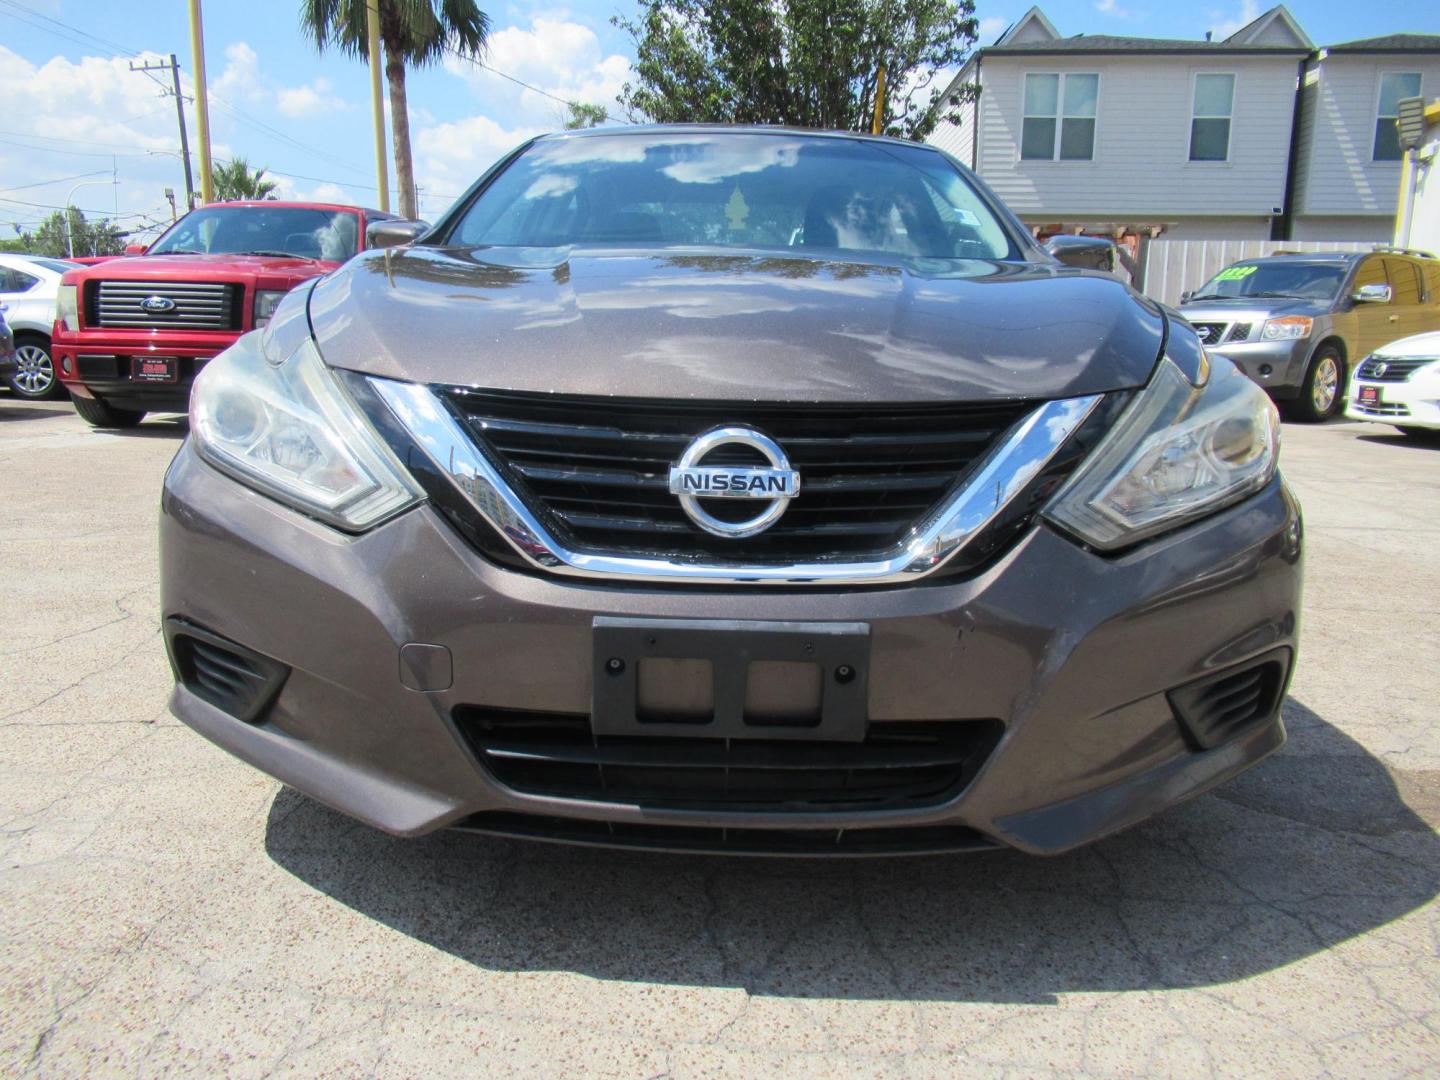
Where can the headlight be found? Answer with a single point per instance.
(67, 307)
(290, 430)
(1288, 328)
(1177, 453)
(265, 305)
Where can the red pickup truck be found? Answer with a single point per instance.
(130, 334)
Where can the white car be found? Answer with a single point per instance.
(1399, 384)
(28, 284)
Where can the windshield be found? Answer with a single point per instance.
(1305, 281)
(267, 230)
(735, 191)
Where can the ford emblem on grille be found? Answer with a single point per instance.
(693, 480)
(157, 305)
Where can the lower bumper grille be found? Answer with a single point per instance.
(898, 765)
(917, 840)
(231, 677)
(1219, 707)
(1381, 408)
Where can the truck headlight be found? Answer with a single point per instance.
(265, 304)
(287, 428)
(1287, 328)
(67, 307)
(1178, 452)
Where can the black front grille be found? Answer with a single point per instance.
(597, 469)
(898, 765)
(1219, 707)
(194, 305)
(1239, 332)
(1210, 333)
(1376, 369)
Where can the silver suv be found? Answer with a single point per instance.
(1298, 323)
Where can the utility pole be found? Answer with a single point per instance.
(377, 103)
(174, 68)
(202, 104)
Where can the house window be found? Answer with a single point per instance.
(1395, 87)
(1059, 120)
(1210, 117)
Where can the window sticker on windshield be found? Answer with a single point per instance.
(737, 209)
(1235, 273)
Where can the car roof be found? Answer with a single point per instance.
(729, 129)
(1309, 257)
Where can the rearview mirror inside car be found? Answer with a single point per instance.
(388, 233)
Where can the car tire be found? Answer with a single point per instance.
(1322, 393)
(35, 381)
(100, 415)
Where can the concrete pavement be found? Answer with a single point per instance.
(165, 908)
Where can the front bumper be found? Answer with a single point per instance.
(1278, 366)
(1073, 653)
(1413, 403)
(101, 364)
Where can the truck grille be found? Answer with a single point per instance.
(1212, 333)
(899, 764)
(199, 305)
(1378, 370)
(597, 469)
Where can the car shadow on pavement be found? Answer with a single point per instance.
(1408, 441)
(1319, 844)
(160, 427)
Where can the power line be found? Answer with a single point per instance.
(57, 180)
(521, 82)
(95, 38)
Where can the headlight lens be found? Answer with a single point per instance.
(1178, 453)
(265, 305)
(290, 430)
(67, 307)
(1288, 328)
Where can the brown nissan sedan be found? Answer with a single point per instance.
(747, 490)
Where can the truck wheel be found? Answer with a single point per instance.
(35, 380)
(100, 415)
(1323, 391)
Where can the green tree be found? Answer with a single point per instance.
(582, 115)
(235, 181)
(812, 63)
(100, 237)
(412, 32)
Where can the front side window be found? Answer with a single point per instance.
(735, 191)
(1395, 87)
(1210, 111)
(1059, 120)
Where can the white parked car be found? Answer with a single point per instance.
(1399, 384)
(28, 284)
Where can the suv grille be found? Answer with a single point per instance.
(1378, 370)
(597, 468)
(899, 764)
(1210, 333)
(200, 305)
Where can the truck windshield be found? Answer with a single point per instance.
(735, 190)
(1305, 281)
(308, 233)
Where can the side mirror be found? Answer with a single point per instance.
(136, 249)
(1372, 294)
(388, 233)
(1089, 252)
(1186, 295)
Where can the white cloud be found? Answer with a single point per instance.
(242, 81)
(991, 28)
(309, 100)
(1113, 9)
(1227, 25)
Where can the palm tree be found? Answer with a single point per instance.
(413, 32)
(234, 180)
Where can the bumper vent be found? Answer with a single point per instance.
(1216, 709)
(898, 765)
(200, 305)
(597, 470)
(231, 677)
(1375, 370)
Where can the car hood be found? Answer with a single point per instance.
(1253, 309)
(733, 326)
(1427, 344)
(201, 267)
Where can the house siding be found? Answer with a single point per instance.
(1141, 166)
(1336, 174)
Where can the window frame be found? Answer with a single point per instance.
(1195, 77)
(1376, 116)
(1059, 117)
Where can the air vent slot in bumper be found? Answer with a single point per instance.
(1217, 708)
(218, 671)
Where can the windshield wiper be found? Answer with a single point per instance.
(177, 251)
(280, 254)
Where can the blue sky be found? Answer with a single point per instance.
(72, 111)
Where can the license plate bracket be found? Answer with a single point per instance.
(767, 680)
(1370, 395)
(162, 369)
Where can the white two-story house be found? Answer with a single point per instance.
(1259, 136)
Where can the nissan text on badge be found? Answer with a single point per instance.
(741, 490)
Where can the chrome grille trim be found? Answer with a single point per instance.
(199, 305)
(1010, 465)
